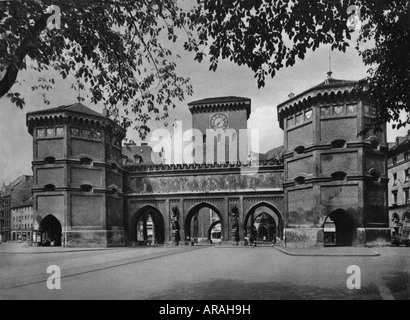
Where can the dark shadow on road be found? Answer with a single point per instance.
(238, 290)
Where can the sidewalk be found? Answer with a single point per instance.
(329, 252)
(23, 248)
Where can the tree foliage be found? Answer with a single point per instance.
(387, 28)
(267, 36)
(112, 47)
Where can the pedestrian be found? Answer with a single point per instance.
(253, 241)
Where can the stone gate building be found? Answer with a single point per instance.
(332, 172)
(85, 194)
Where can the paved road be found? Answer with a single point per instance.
(203, 273)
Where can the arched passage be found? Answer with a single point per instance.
(263, 221)
(215, 232)
(199, 220)
(51, 231)
(149, 226)
(343, 226)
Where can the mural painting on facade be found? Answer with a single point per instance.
(205, 183)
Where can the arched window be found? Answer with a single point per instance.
(50, 187)
(338, 143)
(86, 188)
(395, 218)
(339, 176)
(86, 161)
(300, 180)
(300, 149)
(374, 141)
(375, 174)
(49, 160)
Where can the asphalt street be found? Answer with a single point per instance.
(179, 273)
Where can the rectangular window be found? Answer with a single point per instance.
(394, 179)
(406, 175)
(394, 160)
(394, 193)
(406, 196)
(406, 156)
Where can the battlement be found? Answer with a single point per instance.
(277, 164)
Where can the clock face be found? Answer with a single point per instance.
(219, 121)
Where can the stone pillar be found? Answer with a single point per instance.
(144, 228)
(196, 228)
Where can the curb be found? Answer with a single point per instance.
(374, 254)
(46, 252)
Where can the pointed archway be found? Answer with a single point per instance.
(149, 226)
(198, 222)
(51, 231)
(344, 228)
(265, 218)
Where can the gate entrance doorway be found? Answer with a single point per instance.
(149, 227)
(339, 229)
(51, 231)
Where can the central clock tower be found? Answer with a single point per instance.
(222, 122)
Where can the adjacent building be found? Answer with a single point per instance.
(399, 182)
(14, 196)
(5, 212)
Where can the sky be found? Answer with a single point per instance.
(229, 80)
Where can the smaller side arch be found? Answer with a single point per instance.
(215, 223)
(188, 218)
(158, 224)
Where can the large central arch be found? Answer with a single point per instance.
(149, 213)
(193, 211)
(256, 211)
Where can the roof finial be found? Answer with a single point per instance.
(79, 86)
(329, 73)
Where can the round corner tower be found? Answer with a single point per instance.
(335, 179)
(78, 180)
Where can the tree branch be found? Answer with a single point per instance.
(21, 52)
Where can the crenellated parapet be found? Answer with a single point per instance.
(188, 167)
(336, 91)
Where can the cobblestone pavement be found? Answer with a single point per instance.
(204, 273)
